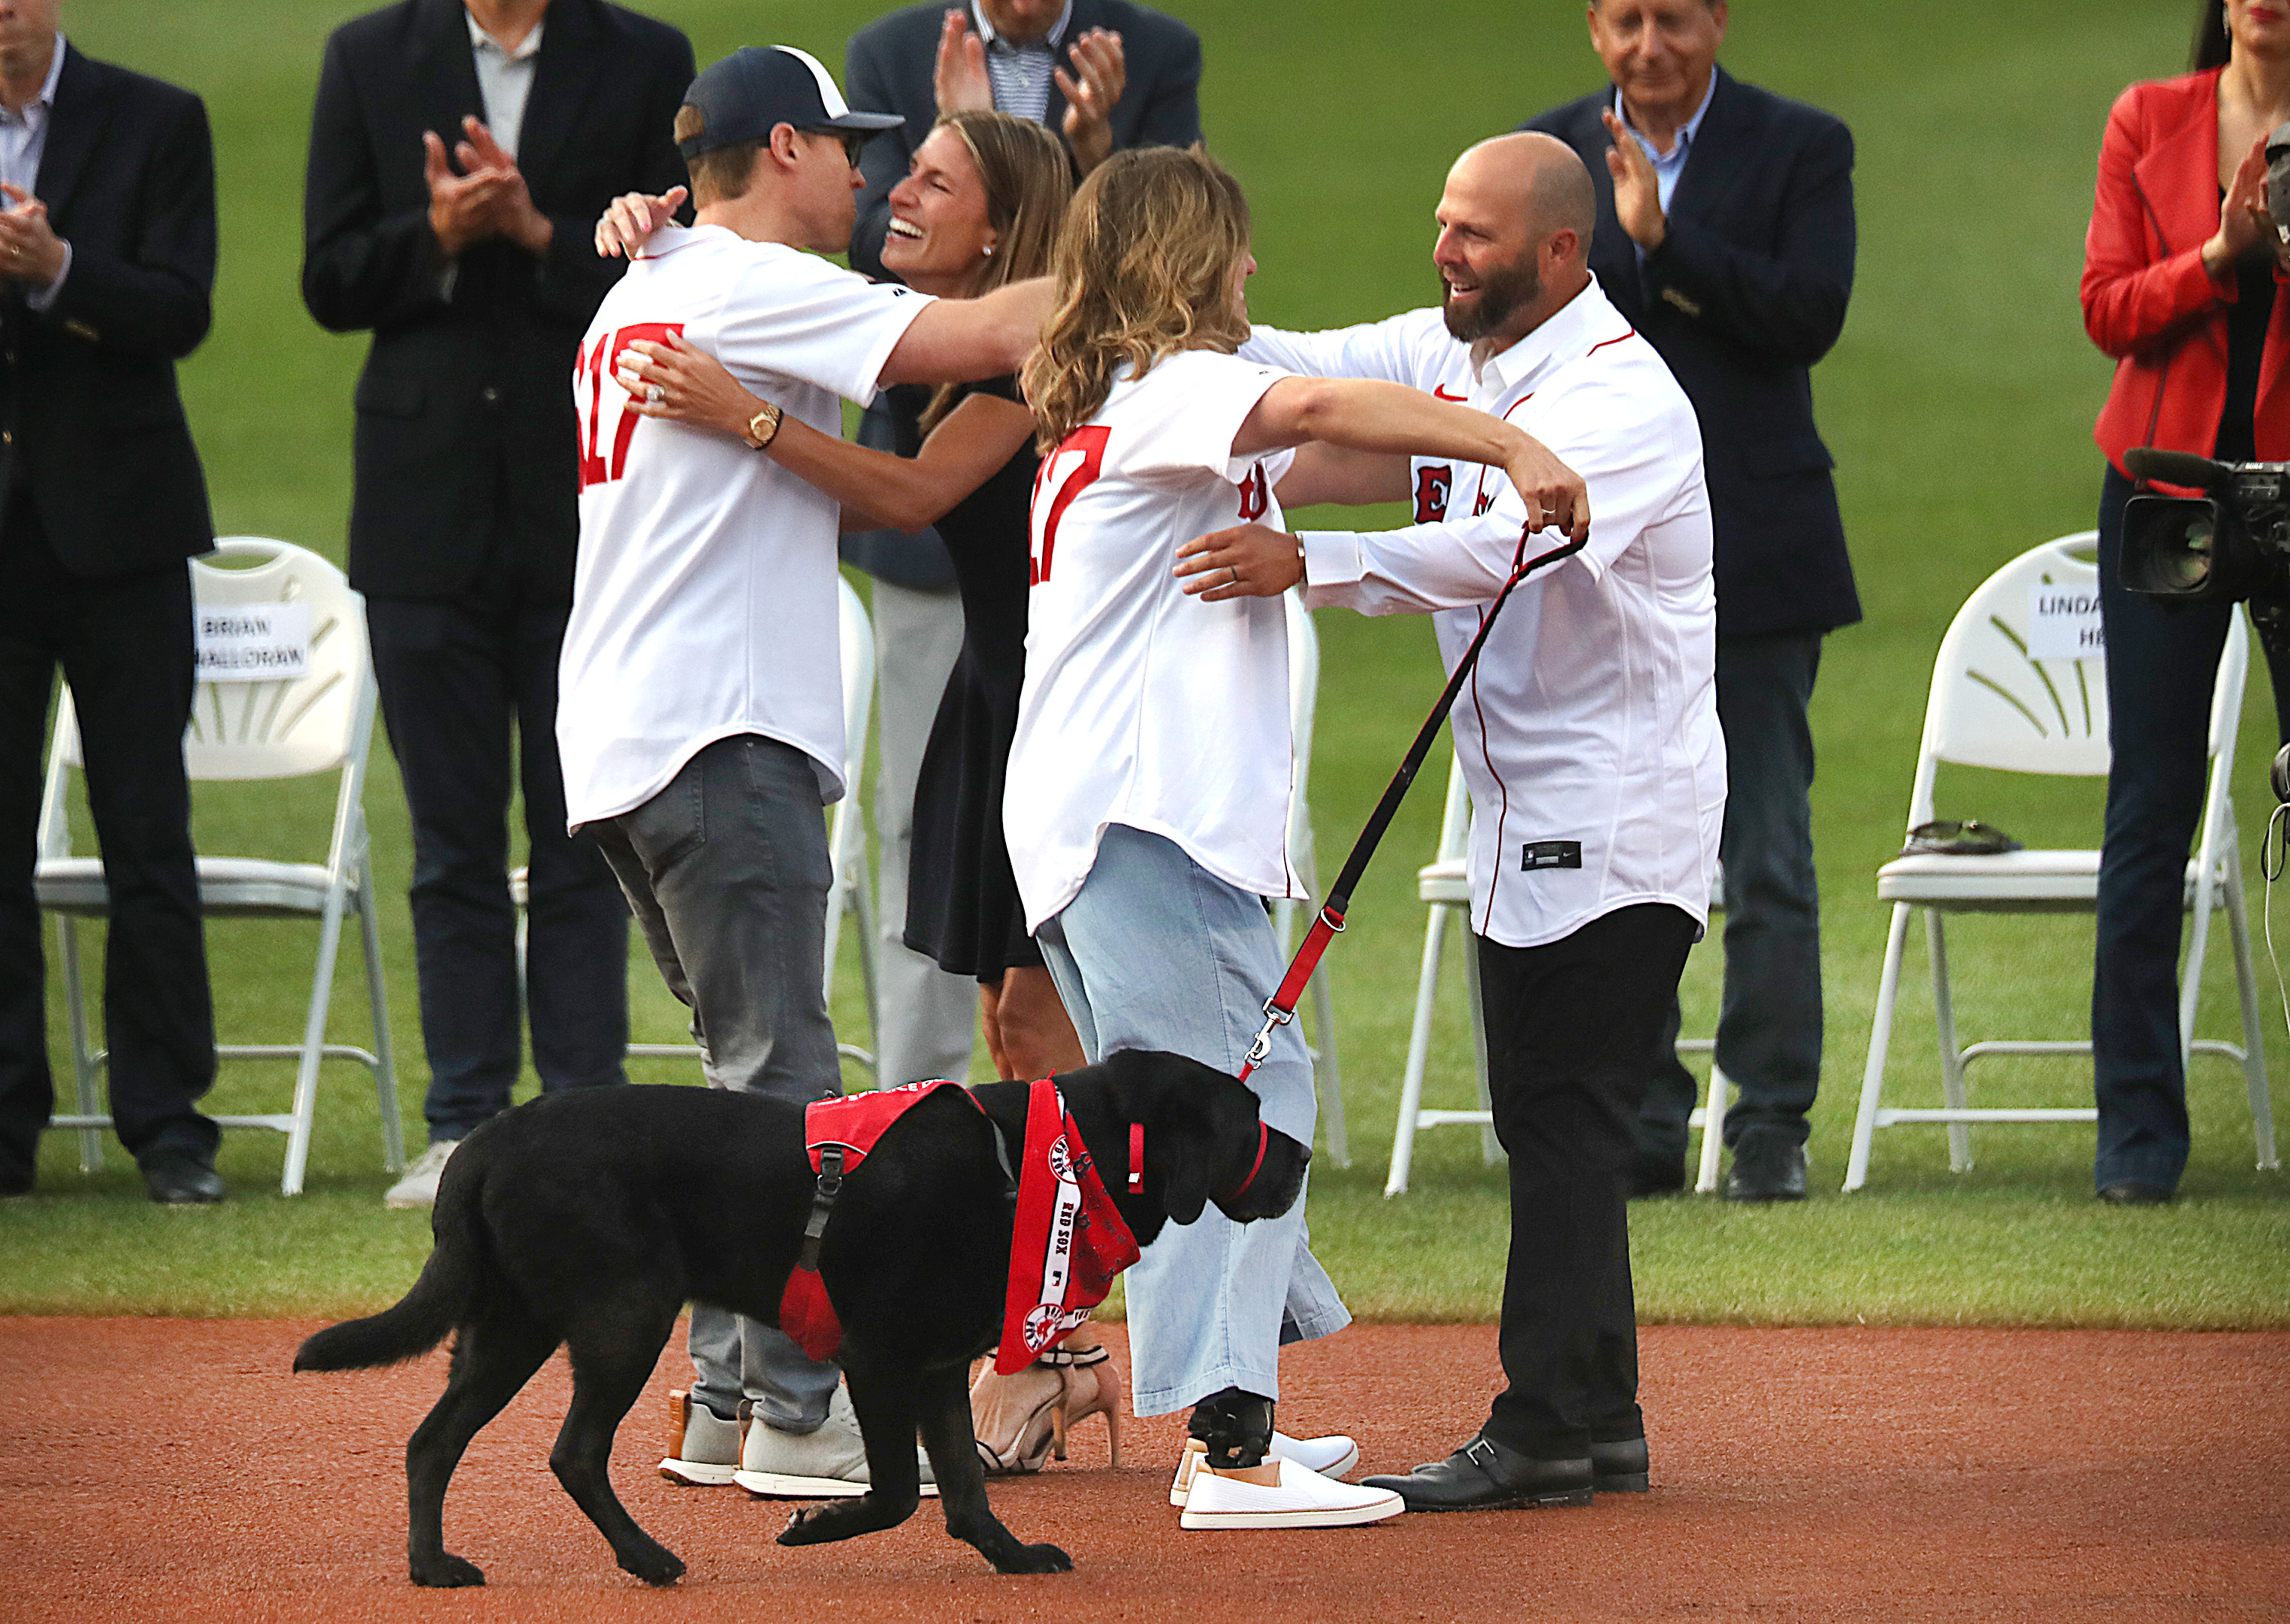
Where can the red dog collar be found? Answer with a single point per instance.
(1264, 1140)
(1136, 1157)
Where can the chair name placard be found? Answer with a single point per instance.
(2063, 623)
(252, 642)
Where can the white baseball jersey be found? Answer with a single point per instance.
(1587, 731)
(704, 596)
(1144, 707)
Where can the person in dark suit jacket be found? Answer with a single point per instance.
(477, 276)
(1725, 234)
(107, 265)
(1105, 75)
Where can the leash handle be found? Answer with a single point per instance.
(1280, 1008)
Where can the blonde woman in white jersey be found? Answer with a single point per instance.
(1148, 786)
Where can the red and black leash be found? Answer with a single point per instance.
(1280, 1008)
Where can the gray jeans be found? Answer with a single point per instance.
(726, 870)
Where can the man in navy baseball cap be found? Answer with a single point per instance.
(756, 88)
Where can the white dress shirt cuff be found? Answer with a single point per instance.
(46, 297)
(1333, 565)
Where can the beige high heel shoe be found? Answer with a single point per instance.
(1025, 1418)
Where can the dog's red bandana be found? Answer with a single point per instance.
(1066, 1245)
(1068, 1241)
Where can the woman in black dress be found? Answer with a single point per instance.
(980, 208)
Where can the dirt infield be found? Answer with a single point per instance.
(173, 1470)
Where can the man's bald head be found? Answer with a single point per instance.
(1515, 224)
(1542, 178)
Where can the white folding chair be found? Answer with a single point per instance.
(847, 833)
(1994, 704)
(1303, 704)
(320, 721)
(1446, 892)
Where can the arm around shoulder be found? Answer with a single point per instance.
(958, 340)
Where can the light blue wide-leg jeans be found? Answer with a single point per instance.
(1158, 953)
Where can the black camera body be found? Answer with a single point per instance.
(2230, 544)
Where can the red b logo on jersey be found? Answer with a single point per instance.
(1254, 500)
(1432, 485)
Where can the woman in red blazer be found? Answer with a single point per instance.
(2178, 285)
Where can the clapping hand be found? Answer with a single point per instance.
(30, 250)
(1637, 193)
(634, 216)
(1101, 73)
(2244, 222)
(960, 79)
(488, 199)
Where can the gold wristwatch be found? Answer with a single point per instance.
(764, 427)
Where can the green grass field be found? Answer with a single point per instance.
(1958, 405)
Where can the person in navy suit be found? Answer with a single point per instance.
(106, 271)
(459, 156)
(1725, 235)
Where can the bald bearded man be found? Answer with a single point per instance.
(1589, 743)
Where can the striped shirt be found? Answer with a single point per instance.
(1021, 73)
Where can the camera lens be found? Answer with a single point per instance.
(2188, 564)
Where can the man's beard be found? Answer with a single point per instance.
(1502, 293)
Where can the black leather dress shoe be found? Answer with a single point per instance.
(1619, 1467)
(1483, 1475)
(182, 1179)
(1766, 1167)
(1654, 1175)
(2135, 1192)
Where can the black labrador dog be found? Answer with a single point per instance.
(588, 1218)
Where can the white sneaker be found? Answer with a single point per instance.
(828, 1464)
(1331, 1457)
(1282, 1494)
(703, 1448)
(419, 1186)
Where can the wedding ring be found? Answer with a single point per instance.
(655, 394)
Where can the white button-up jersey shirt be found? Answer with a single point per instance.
(1587, 731)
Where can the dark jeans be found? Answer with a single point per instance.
(726, 870)
(1569, 1026)
(455, 677)
(1769, 1025)
(2162, 662)
(126, 648)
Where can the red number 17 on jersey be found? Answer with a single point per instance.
(589, 370)
(1073, 467)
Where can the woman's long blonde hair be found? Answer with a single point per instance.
(1145, 267)
(1027, 181)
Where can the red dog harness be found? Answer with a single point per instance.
(1068, 1241)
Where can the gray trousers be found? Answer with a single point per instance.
(926, 1019)
(726, 871)
(1769, 1025)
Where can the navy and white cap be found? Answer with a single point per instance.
(756, 87)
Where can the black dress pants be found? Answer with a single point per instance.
(125, 645)
(1570, 1028)
(455, 678)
